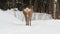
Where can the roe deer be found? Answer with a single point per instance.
(27, 11)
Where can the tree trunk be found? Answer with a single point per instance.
(35, 5)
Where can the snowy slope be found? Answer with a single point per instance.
(12, 25)
(35, 16)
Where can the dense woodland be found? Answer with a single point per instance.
(42, 6)
(39, 5)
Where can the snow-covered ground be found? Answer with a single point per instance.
(9, 24)
(35, 16)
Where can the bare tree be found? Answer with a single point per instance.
(14, 6)
(54, 12)
(35, 5)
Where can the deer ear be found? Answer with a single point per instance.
(25, 10)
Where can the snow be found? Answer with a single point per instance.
(35, 16)
(9, 24)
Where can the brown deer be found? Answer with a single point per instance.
(27, 11)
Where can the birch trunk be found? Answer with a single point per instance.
(54, 12)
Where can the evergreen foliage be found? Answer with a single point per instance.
(3, 4)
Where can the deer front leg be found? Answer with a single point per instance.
(30, 18)
(30, 21)
(27, 20)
